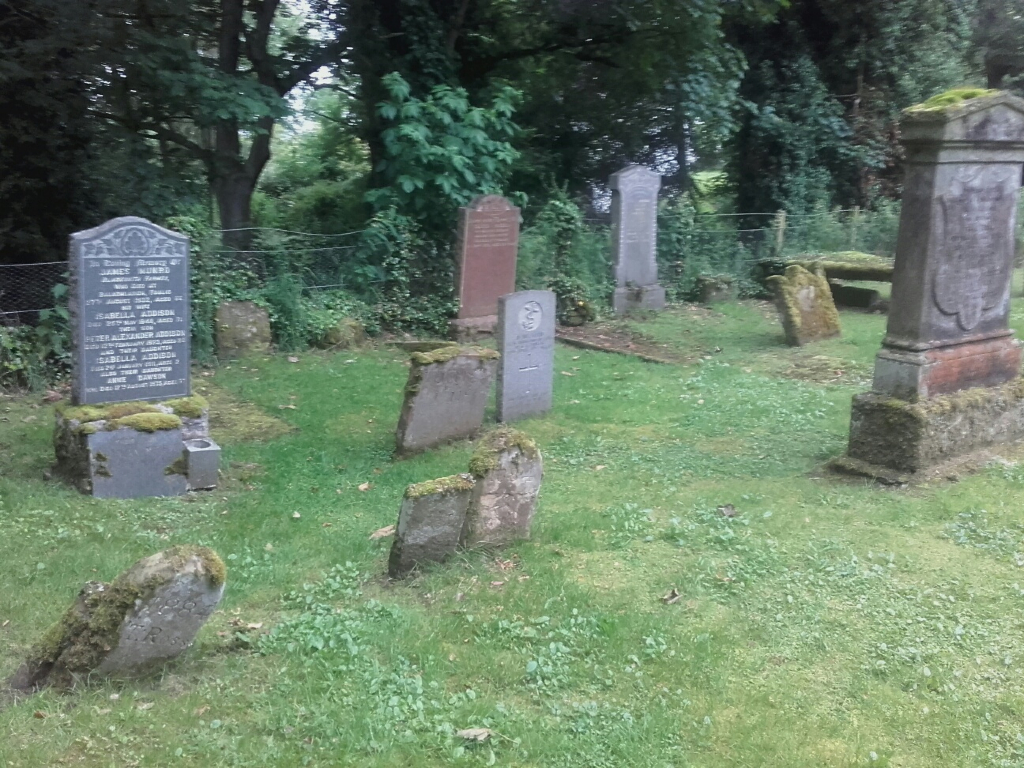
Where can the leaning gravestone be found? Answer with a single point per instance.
(805, 305)
(488, 244)
(526, 341)
(508, 469)
(430, 523)
(130, 332)
(947, 379)
(445, 397)
(147, 616)
(635, 239)
(242, 329)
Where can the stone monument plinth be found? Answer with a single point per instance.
(635, 239)
(946, 380)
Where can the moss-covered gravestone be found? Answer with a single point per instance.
(716, 289)
(805, 305)
(445, 396)
(508, 469)
(430, 523)
(242, 329)
(147, 616)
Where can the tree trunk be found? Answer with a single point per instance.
(234, 203)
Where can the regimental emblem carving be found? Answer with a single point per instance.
(530, 316)
(133, 241)
(976, 240)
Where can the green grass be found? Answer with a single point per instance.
(829, 622)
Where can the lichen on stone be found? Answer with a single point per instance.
(446, 353)
(146, 422)
(787, 289)
(494, 443)
(89, 413)
(952, 98)
(189, 407)
(450, 484)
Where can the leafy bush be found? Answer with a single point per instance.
(35, 356)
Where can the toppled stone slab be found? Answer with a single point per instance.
(508, 469)
(445, 397)
(129, 450)
(805, 306)
(911, 437)
(430, 523)
(147, 616)
(242, 329)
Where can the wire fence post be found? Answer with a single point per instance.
(780, 232)
(854, 221)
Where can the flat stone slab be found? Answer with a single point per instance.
(526, 340)
(147, 616)
(805, 305)
(430, 523)
(508, 468)
(242, 329)
(445, 397)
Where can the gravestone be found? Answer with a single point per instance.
(130, 330)
(429, 523)
(805, 305)
(715, 289)
(242, 329)
(635, 239)
(488, 244)
(147, 616)
(508, 468)
(129, 306)
(445, 397)
(947, 377)
(526, 341)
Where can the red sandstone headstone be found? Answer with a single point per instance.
(487, 246)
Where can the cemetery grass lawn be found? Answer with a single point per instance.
(826, 622)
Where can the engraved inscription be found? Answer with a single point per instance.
(530, 316)
(492, 232)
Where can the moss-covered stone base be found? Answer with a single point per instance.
(912, 437)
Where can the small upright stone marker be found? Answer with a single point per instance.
(147, 616)
(805, 305)
(948, 327)
(508, 469)
(526, 340)
(445, 397)
(242, 329)
(430, 523)
(488, 245)
(635, 239)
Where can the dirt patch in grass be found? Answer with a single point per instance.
(237, 421)
(616, 337)
(822, 369)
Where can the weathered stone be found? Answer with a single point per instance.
(715, 289)
(202, 464)
(430, 523)
(130, 450)
(147, 616)
(129, 306)
(242, 329)
(857, 297)
(508, 469)
(526, 340)
(488, 244)
(445, 397)
(346, 334)
(634, 239)
(805, 306)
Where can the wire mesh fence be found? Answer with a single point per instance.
(28, 289)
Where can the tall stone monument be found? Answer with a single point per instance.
(130, 333)
(947, 377)
(488, 244)
(526, 341)
(635, 239)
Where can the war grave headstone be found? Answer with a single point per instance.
(635, 239)
(947, 378)
(130, 331)
(806, 309)
(148, 615)
(488, 244)
(430, 523)
(242, 329)
(445, 396)
(526, 341)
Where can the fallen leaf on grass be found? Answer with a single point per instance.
(296, 515)
(326, 525)
(478, 735)
(497, 583)
(289, 407)
(103, 711)
(52, 396)
(365, 486)
(566, 373)
(381, 533)
(201, 711)
(293, 359)
(599, 467)
(39, 715)
(672, 597)
(727, 510)
(146, 705)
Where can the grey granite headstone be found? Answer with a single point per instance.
(635, 239)
(430, 523)
(526, 340)
(129, 308)
(148, 615)
(445, 397)
(508, 468)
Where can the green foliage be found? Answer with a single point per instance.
(35, 356)
(440, 152)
